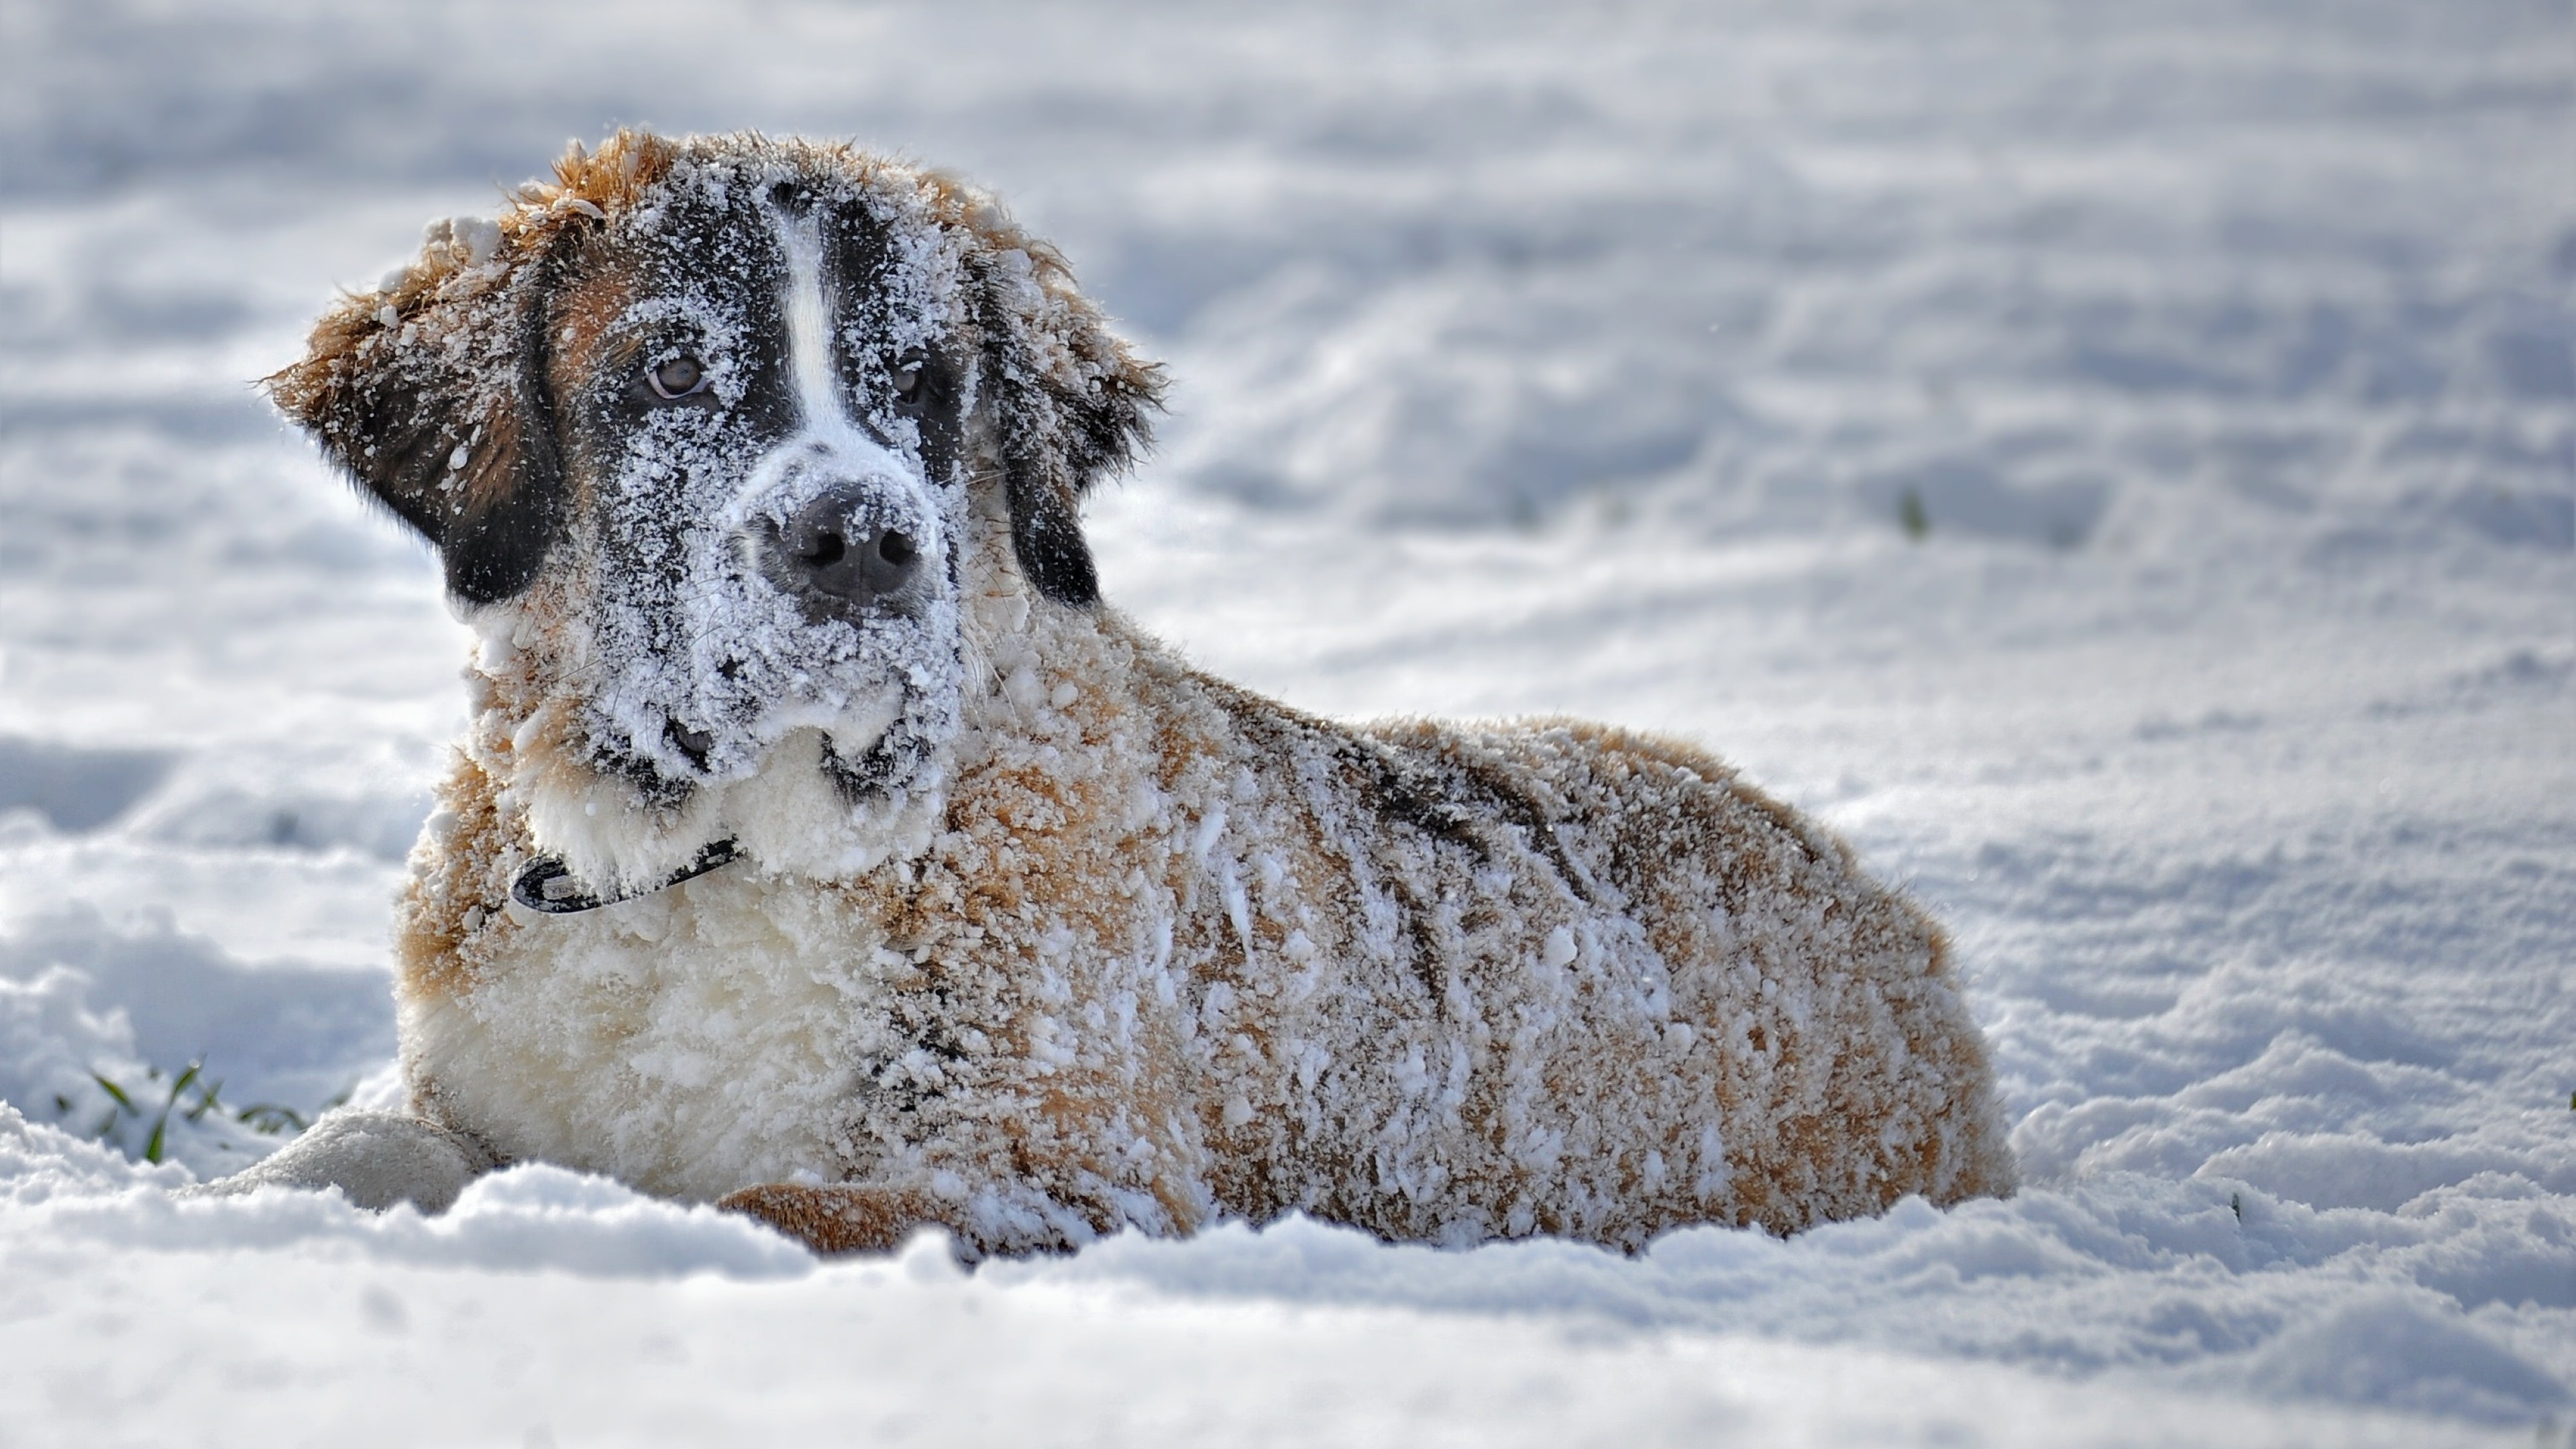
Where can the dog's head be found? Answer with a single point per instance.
(714, 437)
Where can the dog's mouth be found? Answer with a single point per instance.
(866, 748)
(893, 757)
(823, 795)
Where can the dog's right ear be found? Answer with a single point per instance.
(431, 396)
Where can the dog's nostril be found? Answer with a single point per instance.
(889, 562)
(825, 551)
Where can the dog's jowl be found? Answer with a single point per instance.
(823, 845)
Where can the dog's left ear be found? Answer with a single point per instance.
(1073, 405)
(430, 395)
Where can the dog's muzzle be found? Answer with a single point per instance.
(820, 618)
(844, 554)
(843, 528)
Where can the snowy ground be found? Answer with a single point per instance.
(1529, 360)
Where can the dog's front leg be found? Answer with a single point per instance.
(375, 1159)
(835, 1218)
(840, 1217)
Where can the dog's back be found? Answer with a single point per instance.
(1648, 996)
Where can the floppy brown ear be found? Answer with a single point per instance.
(1073, 406)
(431, 396)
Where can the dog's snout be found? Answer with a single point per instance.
(844, 554)
(840, 551)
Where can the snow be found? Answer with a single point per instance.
(1524, 362)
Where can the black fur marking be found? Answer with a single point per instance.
(895, 756)
(609, 416)
(1046, 534)
(1460, 802)
(1448, 798)
(1048, 539)
(495, 550)
(1498, 792)
(655, 788)
(906, 1082)
(862, 265)
(1405, 794)
(768, 410)
(1105, 430)
(1409, 794)
(402, 434)
(934, 410)
(1422, 937)
(394, 445)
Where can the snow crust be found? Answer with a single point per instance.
(2222, 712)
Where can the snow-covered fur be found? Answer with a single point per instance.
(1035, 932)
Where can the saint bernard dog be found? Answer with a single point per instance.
(825, 848)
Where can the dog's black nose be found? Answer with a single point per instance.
(834, 547)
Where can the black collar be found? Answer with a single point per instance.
(546, 885)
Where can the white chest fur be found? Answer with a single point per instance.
(688, 1042)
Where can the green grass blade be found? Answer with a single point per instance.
(118, 1093)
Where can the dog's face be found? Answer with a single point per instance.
(706, 429)
(761, 409)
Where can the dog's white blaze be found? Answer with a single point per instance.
(830, 433)
(808, 308)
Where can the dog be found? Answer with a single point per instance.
(823, 847)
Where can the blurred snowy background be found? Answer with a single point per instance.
(2111, 460)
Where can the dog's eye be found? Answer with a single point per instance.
(907, 379)
(677, 378)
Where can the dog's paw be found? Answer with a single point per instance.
(376, 1159)
(835, 1218)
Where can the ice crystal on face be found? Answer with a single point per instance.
(678, 628)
